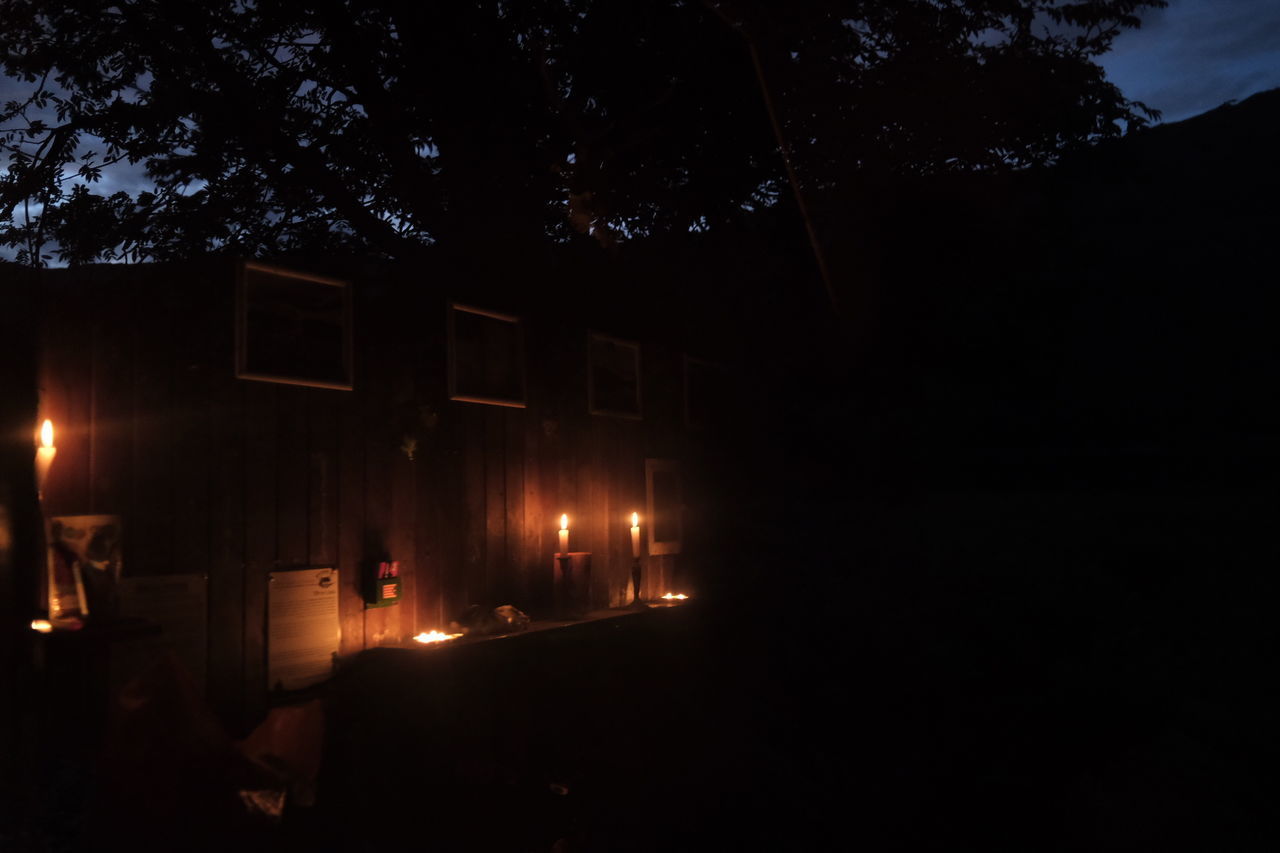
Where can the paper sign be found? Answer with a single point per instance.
(179, 605)
(302, 627)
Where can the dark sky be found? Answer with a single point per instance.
(1197, 54)
(1186, 59)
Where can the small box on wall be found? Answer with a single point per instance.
(382, 584)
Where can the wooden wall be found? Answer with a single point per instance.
(234, 478)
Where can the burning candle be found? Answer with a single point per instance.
(44, 455)
(635, 534)
(564, 534)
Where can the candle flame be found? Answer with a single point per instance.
(44, 626)
(675, 596)
(635, 519)
(564, 522)
(434, 636)
(46, 433)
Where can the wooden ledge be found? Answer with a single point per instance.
(540, 625)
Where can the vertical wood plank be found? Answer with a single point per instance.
(475, 529)
(549, 463)
(589, 500)
(111, 479)
(381, 624)
(515, 574)
(403, 543)
(531, 522)
(323, 478)
(292, 472)
(351, 507)
(227, 554)
(188, 469)
(153, 437)
(496, 574)
(451, 544)
(261, 507)
(427, 523)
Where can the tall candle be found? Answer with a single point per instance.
(635, 534)
(44, 454)
(564, 534)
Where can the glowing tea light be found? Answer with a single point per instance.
(676, 597)
(635, 534)
(44, 454)
(44, 626)
(564, 534)
(434, 636)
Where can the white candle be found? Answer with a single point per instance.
(44, 454)
(635, 534)
(564, 534)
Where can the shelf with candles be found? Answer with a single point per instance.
(435, 639)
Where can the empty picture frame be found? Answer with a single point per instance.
(486, 357)
(662, 486)
(613, 377)
(293, 328)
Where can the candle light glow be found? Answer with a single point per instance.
(564, 534)
(44, 455)
(434, 636)
(635, 534)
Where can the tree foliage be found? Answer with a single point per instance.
(269, 126)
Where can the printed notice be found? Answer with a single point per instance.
(179, 604)
(302, 627)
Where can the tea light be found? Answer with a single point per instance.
(434, 636)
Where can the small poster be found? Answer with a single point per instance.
(84, 565)
(179, 604)
(302, 627)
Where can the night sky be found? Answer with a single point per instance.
(1197, 54)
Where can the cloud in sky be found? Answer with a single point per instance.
(1197, 54)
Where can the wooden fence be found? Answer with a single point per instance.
(233, 478)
